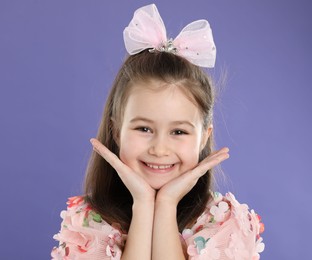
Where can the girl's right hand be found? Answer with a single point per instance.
(139, 189)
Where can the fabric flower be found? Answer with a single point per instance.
(60, 252)
(203, 249)
(243, 218)
(226, 229)
(259, 249)
(112, 249)
(187, 233)
(217, 197)
(78, 242)
(75, 201)
(85, 235)
(241, 213)
(261, 225)
(231, 198)
(219, 211)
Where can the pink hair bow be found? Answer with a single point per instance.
(147, 31)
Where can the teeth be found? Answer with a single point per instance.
(159, 167)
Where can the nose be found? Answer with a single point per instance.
(159, 146)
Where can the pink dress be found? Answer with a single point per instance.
(226, 230)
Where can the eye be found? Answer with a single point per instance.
(144, 129)
(179, 132)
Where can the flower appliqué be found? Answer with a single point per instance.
(112, 248)
(232, 230)
(219, 211)
(84, 234)
(203, 249)
(259, 249)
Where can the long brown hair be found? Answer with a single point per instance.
(104, 190)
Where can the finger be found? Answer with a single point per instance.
(221, 154)
(211, 161)
(208, 163)
(224, 149)
(217, 153)
(110, 157)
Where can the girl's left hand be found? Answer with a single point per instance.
(174, 191)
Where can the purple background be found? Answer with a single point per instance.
(57, 61)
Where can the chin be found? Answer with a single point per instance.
(157, 186)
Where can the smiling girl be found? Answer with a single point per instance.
(148, 189)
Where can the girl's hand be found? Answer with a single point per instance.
(139, 189)
(174, 191)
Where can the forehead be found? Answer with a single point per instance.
(150, 86)
(158, 99)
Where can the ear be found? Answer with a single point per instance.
(206, 134)
(115, 131)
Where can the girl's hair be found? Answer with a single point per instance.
(103, 188)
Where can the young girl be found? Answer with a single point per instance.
(148, 191)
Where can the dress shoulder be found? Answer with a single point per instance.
(85, 235)
(226, 230)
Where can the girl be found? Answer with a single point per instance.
(148, 184)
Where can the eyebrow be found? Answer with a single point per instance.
(178, 122)
(139, 118)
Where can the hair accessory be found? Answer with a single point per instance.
(146, 30)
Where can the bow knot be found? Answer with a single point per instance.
(166, 47)
(146, 30)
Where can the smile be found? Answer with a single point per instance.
(159, 167)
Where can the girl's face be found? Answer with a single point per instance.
(162, 132)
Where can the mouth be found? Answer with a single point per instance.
(159, 166)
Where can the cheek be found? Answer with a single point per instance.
(129, 147)
(189, 153)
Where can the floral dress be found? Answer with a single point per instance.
(226, 230)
